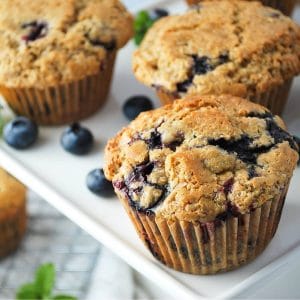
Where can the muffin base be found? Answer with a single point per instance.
(64, 103)
(12, 230)
(208, 248)
(286, 6)
(275, 100)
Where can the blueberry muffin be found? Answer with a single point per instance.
(242, 48)
(286, 6)
(12, 213)
(203, 180)
(57, 57)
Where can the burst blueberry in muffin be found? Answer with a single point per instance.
(239, 48)
(203, 180)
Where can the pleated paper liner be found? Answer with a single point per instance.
(286, 6)
(12, 230)
(275, 100)
(64, 103)
(208, 248)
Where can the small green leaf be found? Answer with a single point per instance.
(149, 23)
(44, 280)
(138, 38)
(64, 297)
(142, 23)
(141, 18)
(27, 292)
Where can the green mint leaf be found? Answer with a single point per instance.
(138, 38)
(44, 280)
(142, 23)
(27, 292)
(149, 23)
(141, 18)
(64, 297)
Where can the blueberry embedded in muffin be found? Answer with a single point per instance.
(109, 46)
(35, 30)
(201, 66)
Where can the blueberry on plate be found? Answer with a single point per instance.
(135, 105)
(159, 13)
(20, 133)
(98, 184)
(77, 140)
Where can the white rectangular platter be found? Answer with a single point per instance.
(60, 179)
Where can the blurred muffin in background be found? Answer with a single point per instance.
(57, 57)
(13, 217)
(239, 48)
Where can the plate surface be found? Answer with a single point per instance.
(60, 178)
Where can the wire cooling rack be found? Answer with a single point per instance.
(50, 238)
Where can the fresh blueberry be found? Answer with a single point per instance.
(159, 13)
(135, 105)
(77, 140)
(98, 184)
(20, 133)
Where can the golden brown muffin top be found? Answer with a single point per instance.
(201, 156)
(45, 43)
(242, 48)
(12, 194)
(286, 6)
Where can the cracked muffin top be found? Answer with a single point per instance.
(201, 157)
(242, 48)
(45, 43)
(12, 194)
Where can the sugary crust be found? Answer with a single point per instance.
(73, 43)
(193, 160)
(12, 196)
(241, 48)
